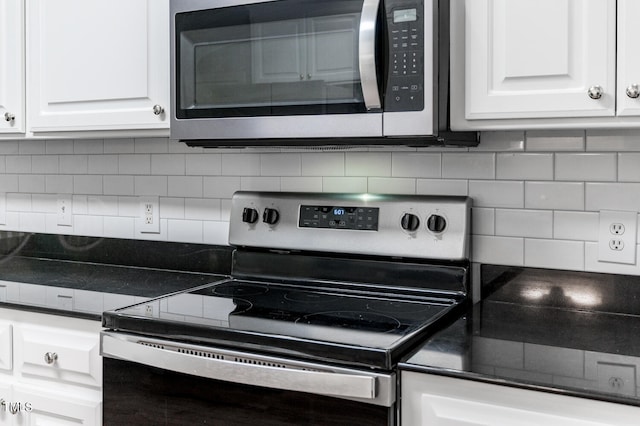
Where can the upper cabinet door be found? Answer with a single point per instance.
(12, 112)
(540, 58)
(98, 65)
(628, 58)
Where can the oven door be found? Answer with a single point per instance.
(151, 381)
(241, 70)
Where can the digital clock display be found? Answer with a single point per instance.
(339, 217)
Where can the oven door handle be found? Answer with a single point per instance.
(317, 382)
(367, 54)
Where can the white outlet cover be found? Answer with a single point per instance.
(627, 240)
(64, 210)
(149, 218)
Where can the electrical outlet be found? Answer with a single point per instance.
(617, 236)
(149, 215)
(64, 212)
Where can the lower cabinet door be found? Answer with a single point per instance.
(430, 400)
(44, 407)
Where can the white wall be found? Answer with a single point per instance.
(536, 194)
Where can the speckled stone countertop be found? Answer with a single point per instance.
(572, 333)
(82, 277)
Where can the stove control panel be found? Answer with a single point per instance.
(419, 226)
(338, 217)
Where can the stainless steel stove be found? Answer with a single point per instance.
(327, 293)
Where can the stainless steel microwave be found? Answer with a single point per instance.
(299, 72)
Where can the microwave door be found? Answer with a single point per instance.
(277, 69)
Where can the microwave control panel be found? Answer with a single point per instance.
(405, 28)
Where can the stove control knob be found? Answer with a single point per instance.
(249, 215)
(410, 222)
(436, 223)
(270, 216)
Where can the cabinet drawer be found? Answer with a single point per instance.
(63, 355)
(46, 407)
(6, 346)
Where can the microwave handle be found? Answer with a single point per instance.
(367, 55)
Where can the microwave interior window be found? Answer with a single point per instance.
(285, 57)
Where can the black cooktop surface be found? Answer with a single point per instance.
(347, 324)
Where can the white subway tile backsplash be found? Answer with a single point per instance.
(102, 164)
(88, 146)
(524, 223)
(168, 164)
(628, 167)
(511, 166)
(44, 164)
(586, 167)
(613, 140)
(185, 186)
(323, 164)
(201, 209)
(555, 140)
(536, 195)
(31, 183)
(301, 184)
(497, 250)
(569, 225)
(442, 187)
(416, 165)
(613, 196)
(368, 164)
(488, 193)
(251, 183)
(221, 186)
(88, 184)
(203, 164)
(468, 166)
(59, 184)
(280, 165)
(58, 146)
(344, 184)
(557, 254)
(118, 185)
(32, 147)
(134, 164)
(483, 221)
(151, 185)
(74, 164)
(241, 164)
(391, 185)
(18, 164)
(554, 195)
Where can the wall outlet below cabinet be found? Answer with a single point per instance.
(617, 236)
(149, 215)
(64, 210)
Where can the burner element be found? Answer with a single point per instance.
(397, 307)
(357, 320)
(235, 289)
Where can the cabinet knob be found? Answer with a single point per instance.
(50, 357)
(595, 92)
(157, 109)
(9, 117)
(633, 91)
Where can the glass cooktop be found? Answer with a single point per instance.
(343, 324)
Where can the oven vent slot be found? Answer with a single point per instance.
(231, 357)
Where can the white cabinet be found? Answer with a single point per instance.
(55, 370)
(544, 64)
(431, 400)
(97, 65)
(12, 62)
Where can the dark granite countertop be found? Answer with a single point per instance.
(83, 277)
(572, 333)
